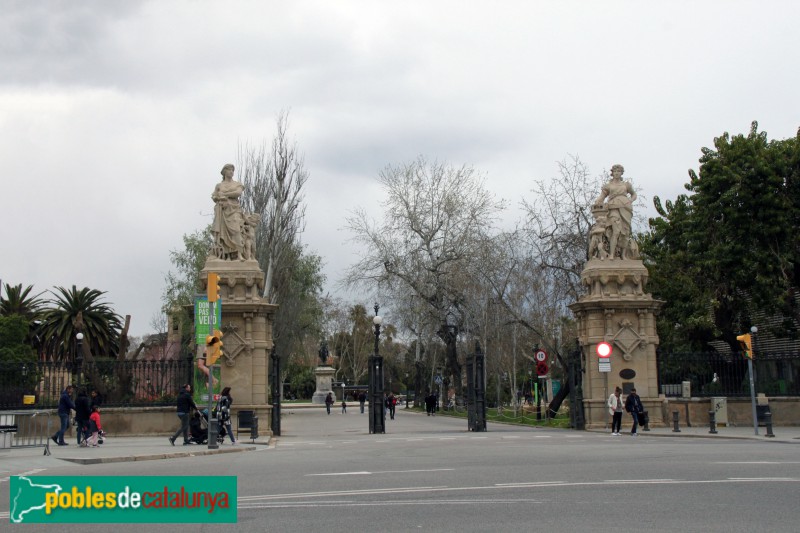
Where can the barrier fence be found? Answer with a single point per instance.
(25, 429)
(119, 383)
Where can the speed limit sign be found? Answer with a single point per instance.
(541, 356)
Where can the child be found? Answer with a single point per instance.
(94, 426)
(344, 407)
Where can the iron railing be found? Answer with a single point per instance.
(120, 383)
(717, 374)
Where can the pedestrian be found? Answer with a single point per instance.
(615, 410)
(391, 403)
(96, 398)
(224, 412)
(344, 407)
(65, 405)
(633, 405)
(430, 404)
(95, 427)
(362, 399)
(83, 410)
(329, 402)
(185, 407)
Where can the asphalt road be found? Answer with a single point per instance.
(326, 473)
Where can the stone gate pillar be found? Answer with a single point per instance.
(615, 308)
(246, 317)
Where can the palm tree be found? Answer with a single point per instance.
(62, 321)
(18, 301)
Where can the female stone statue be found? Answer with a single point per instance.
(620, 197)
(228, 226)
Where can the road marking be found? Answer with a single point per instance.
(364, 473)
(252, 502)
(385, 503)
(756, 462)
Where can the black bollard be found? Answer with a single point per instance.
(712, 422)
(675, 418)
(768, 423)
(213, 433)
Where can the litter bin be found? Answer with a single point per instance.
(761, 414)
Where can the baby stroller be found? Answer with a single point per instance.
(198, 428)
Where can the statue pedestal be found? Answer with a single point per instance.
(324, 384)
(247, 335)
(617, 310)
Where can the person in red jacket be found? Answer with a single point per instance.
(95, 427)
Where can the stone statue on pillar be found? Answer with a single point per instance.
(615, 307)
(246, 317)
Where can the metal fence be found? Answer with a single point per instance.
(717, 374)
(120, 383)
(25, 429)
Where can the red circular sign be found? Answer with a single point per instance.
(604, 350)
(541, 369)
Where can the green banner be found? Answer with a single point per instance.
(120, 500)
(203, 323)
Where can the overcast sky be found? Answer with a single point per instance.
(117, 117)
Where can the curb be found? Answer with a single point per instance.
(154, 457)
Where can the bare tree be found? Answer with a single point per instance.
(273, 182)
(434, 214)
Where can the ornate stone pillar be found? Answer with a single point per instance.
(246, 334)
(616, 309)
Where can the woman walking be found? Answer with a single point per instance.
(615, 410)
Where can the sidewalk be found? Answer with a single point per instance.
(786, 434)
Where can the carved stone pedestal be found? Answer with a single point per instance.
(324, 384)
(247, 335)
(618, 311)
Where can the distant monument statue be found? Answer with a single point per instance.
(324, 374)
(228, 228)
(616, 308)
(323, 353)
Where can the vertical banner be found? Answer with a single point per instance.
(204, 323)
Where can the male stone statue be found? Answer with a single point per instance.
(323, 353)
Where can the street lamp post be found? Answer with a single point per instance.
(79, 360)
(753, 331)
(406, 390)
(377, 417)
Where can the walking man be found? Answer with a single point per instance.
(185, 407)
(633, 404)
(65, 405)
(362, 399)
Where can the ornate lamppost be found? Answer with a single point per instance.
(377, 417)
(79, 360)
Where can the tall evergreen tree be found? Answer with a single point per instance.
(730, 248)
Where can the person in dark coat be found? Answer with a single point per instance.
(83, 409)
(65, 405)
(633, 405)
(224, 412)
(362, 399)
(185, 408)
(329, 402)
